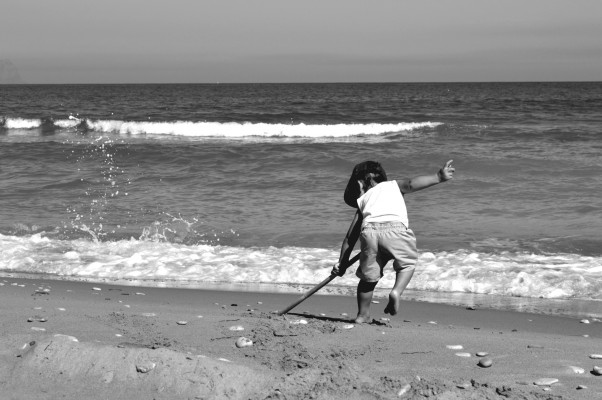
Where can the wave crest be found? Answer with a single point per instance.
(220, 129)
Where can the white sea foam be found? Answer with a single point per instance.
(22, 123)
(508, 274)
(235, 129)
(67, 123)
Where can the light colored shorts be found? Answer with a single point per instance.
(383, 242)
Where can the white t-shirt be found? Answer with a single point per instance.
(383, 203)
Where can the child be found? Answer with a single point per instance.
(381, 224)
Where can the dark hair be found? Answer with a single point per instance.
(366, 172)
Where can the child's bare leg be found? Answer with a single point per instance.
(402, 278)
(365, 290)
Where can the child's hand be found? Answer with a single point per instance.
(447, 172)
(337, 270)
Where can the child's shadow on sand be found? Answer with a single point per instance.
(335, 319)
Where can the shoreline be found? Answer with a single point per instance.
(170, 343)
(575, 308)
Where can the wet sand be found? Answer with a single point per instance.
(76, 340)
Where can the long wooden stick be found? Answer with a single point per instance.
(316, 288)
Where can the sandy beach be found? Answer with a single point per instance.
(74, 340)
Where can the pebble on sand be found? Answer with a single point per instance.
(545, 381)
(375, 301)
(595, 356)
(485, 362)
(597, 371)
(243, 342)
(577, 370)
(236, 328)
(455, 346)
(584, 321)
(348, 326)
(35, 328)
(298, 322)
(463, 355)
(145, 367)
(96, 288)
(182, 322)
(481, 354)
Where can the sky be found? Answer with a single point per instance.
(208, 41)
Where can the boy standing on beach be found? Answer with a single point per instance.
(381, 224)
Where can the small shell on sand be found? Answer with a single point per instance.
(463, 355)
(481, 353)
(348, 326)
(455, 346)
(595, 356)
(464, 385)
(485, 362)
(584, 321)
(236, 328)
(597, 371)
(581, 387)
(96, 288)
(545, 381)
(298, 322)
(404, 389)
(432, 322)
(577, 370)
(223, 359)
(71, 338)
(243, 342)
(35, 328)
(182, 322)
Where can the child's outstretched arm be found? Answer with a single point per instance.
(424, 181)
(348, 243)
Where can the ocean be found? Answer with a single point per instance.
(240, 186)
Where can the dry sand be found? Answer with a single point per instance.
(72, 340)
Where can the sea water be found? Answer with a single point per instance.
(241, 185)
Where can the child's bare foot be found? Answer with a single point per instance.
(393, 305)
(362, 319)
